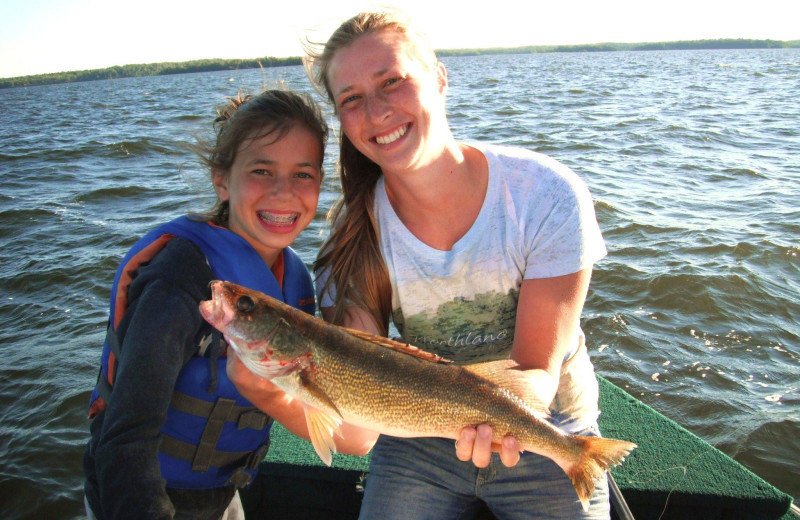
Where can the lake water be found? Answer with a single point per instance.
(693, 158)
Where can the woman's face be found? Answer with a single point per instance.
(390, 104)
(273, 189)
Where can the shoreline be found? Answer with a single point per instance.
(214, 65)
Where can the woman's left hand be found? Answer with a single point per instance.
(476, 444)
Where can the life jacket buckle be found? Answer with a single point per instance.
(241, 477)
(255, 419)
(255, 458)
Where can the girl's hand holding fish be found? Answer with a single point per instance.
(289, 411)
(264, 394)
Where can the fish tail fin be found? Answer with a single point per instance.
(597, 456)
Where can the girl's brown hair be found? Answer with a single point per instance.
(351, 255)
(246, 118)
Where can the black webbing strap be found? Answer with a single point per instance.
(186, 451)
(103, 386)
(205, 454)
(113, 341)
(212, 431)
(243, 460)
(253, 418)
(243, 416)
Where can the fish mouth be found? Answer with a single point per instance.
(219, 312)
(393, 135)
(215, 311)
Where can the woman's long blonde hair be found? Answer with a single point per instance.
(351, 254)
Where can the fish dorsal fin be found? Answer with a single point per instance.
(403, 348)
(321, 427)
(506, 373)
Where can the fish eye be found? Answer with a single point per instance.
(245, 304)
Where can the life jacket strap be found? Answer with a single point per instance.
(254, 418)
(103, 386)
(242, 477)
(211, 434)
(103, 389)
(205, 455)
(113, 341)
(243, 416)
(243, 459)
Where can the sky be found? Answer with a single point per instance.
(42, 36)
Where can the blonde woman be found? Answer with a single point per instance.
(476, 252)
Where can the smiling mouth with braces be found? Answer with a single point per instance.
(277, 219)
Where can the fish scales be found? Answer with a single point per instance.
(397, 389)
(343, 375)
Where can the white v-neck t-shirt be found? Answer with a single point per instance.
(537, 221)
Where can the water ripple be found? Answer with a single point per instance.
(691, 158)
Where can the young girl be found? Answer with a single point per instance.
(171, 437)
(477, 252)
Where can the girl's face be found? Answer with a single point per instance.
(390, 104)
(273, 189)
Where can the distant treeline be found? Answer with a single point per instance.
(147, 69)
(158, 69)
(613, 47)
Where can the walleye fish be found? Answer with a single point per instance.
(344, 375)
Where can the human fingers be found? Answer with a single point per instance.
(509, 451)
(465, 442)
(482, 449)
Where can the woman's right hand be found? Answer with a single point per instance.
(476, 444)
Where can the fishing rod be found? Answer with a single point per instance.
(618, 501)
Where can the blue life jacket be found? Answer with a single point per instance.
(212, 436)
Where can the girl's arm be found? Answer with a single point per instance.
(289, 411)
(548, 314)
(158, 330)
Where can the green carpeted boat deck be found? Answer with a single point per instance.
(673, 474)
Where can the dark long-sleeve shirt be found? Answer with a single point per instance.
(158, 334)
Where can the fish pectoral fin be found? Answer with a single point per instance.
(403, 348)
(506, 374)
(321, 427)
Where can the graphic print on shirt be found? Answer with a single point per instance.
(464, 330)
(537, 221)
